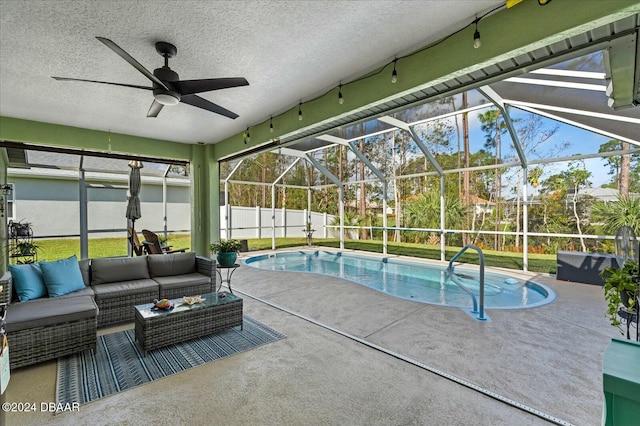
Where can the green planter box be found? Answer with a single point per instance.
(621, 382)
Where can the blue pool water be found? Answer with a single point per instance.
(410, 280)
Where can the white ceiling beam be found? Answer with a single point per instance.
(574, 111)
(577, 124)
(555, 83)
(569, 73)
(395, 122)
(334, 139)
(289, 151)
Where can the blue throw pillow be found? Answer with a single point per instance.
(62, 276)
(28, 281)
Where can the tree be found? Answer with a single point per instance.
(532, 134)
(625, 169)
(350, 219)
(402, 150)
(262, 169)
(467, 153)
(424, 212)
(534, 177)
(494, 127)
(562, 198)
(577, 177)
(614, 214)
(363, 194)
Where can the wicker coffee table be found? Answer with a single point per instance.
(158, 328)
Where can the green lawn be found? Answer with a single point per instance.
(60, 248)
(104, 247)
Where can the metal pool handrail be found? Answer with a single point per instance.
(453, 278)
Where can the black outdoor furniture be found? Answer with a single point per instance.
(583, 267)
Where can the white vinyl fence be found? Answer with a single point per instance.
(256, 222)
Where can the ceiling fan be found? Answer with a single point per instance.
(167, 87)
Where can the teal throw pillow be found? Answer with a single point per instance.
(28, 281)
(62, 276)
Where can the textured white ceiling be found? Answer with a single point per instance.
(289, 51)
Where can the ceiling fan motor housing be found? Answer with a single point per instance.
(162, 95)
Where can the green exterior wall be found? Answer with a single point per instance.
(47, 134)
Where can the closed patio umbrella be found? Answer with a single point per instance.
(133, 205)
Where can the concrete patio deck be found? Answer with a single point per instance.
(548, 358)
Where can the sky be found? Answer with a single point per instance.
(579, 141)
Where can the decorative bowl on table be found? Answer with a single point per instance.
(192, 300)
(164, 304)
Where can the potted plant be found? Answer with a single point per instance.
(164, 241)
(25, 248)
(24, 251)
(621, 291)
(19, 229)
(227, 251)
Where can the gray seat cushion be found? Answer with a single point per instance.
(178, 281)
(125, 288)
(87, 291)
(162, 265)
(117, 269)
(46, 312)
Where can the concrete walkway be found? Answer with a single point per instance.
(547, 358)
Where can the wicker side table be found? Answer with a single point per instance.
(158, 328)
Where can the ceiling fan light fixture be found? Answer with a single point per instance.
(166, 99)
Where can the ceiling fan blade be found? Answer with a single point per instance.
(137, 65)
(199, 102)
(155, 109)
(189, 87)
(135, 86)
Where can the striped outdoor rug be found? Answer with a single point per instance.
(117, 363)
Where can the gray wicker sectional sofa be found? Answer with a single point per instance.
(50, 327)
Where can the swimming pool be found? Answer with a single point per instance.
(410, 280)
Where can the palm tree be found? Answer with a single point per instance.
(614, 214)
(350, 219)
(425, 212)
